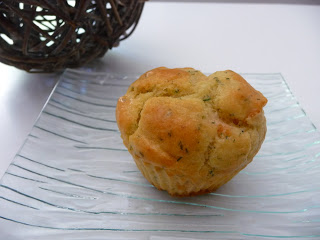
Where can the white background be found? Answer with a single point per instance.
(244, 37)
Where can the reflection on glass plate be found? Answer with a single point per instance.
(74, 179)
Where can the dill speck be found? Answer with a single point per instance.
(177, 90)
(211, 172)
(180, 145)
(186, 149)
(217, 80)
(179, 159)
(213, 122)
(206, 98)
(142, 155)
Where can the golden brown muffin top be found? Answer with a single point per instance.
(173, 118)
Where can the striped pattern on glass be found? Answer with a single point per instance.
(74, 179)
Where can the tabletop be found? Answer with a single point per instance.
(246, 37)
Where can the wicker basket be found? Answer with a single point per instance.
(50, 35)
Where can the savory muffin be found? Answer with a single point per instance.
(189, 133)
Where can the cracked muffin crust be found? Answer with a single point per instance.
(189, 133)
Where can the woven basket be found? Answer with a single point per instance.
(50, 35)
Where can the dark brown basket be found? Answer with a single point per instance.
(50, 35)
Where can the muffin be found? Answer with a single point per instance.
(189, 133)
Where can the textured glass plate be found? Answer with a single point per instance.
(74, 179)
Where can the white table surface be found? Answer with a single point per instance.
(243, 37)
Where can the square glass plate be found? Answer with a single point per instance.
(74, 179)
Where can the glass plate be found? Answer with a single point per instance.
(74, 179)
